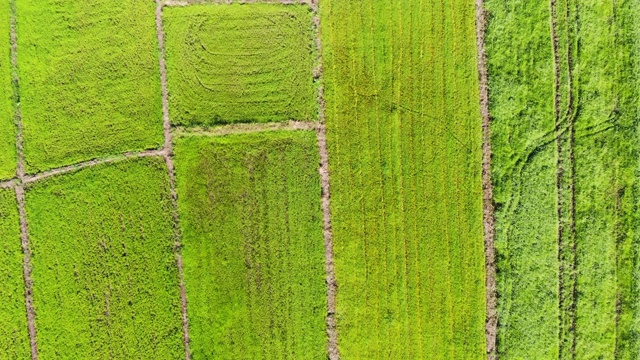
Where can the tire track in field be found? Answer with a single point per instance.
(491, 324)
(19, 187)
(566, 242)
(332, 286)
(168, 157)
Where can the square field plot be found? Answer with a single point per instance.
(14, 337)
(89, 79)
(253, 249)
(105, 277)
(7, 127)
(240, 63)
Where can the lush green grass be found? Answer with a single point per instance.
(606, 152)
(90, 84)
(14, 338)
(7, 127)
(404, 133)
(599, 76)
(105, 278)
(252, 245)
(240, 63)
(524, 172)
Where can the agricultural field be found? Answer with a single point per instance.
(89, 80)
(404, 137)
(104, 272)
(7, 127)
(252, 245)
(565, 174)
(240, 63)
(14, 339)
(332, 179)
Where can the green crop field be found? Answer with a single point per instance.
(14, 339)
(404, 136)
(89, 80)
(524, 172)
(7, 128)
(240, 63)
(252, 245)
(566, 181)
(105, 278)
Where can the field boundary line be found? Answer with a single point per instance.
(19, 186)
(321, 134)
(181, 3)
(8, 184)
(491, 324)
(168, 157)
(27, 179)
(245, 128)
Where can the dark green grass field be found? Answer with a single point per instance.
(252, 245)
(7, 127)
(404, 135)
(524, 173)
(566, 181)
(14, 338)
(89, 80)
(240, 63)
(105, 279)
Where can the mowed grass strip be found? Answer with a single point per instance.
(253, 249)
(104, 273)
(14, 337)
(240, 63)
(521, 80)
(90, 84)
(404, 135)
(7, 126)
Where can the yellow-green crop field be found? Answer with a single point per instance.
(252, 245)
(319, 179)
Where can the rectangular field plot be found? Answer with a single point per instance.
(240, 63)
(7, 127)
(565, 171)
(404, 138)
(105, 277)
(90, 84)
(252, 245)
(524, 174)
(14, 337)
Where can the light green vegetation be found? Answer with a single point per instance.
(7, 127)
(521, 76)
(89, 79)
(404, 135)
(538, 249)
(252, 245)
(240, 63)
(105, 277)
(14, 338)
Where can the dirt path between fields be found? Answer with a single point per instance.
(70, 168)
(332, 285)
(491, 324)
(241, 128)
(196, 2)
(19, 188)
(168, 157)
